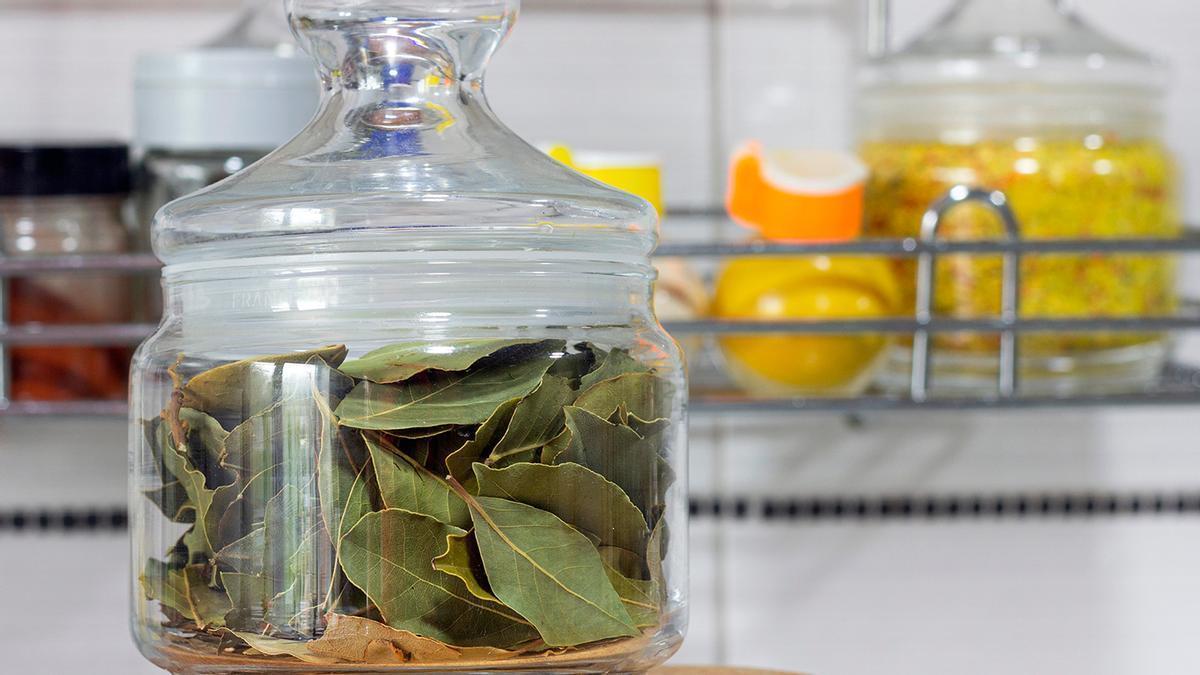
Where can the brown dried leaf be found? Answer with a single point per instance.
(358, 640)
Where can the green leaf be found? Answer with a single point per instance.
(246, 554)
(172, 500)
(399, 362)
(618, 453)
(624, 559)
(462, 560)
(641, 598)
(246, 502)
(389, 554)
(224, 390)
(200, 539)
(645, 395)
(535, 422)
(206, 446)
(579, 497)
(344, 483)
(548, 572)
(458, 464)
(576, 363)
(615, 363)
(249, 594)
(405, 484)
(656, 551)
(434, 399)
(187, 592)
(422, 434)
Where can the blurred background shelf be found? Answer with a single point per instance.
(1179, 386)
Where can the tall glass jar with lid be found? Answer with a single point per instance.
(408, 408)
(1022, 96)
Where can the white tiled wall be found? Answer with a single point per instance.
(1070, 597)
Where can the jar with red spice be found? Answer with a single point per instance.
(64, 200)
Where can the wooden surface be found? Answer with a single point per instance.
(717, 671)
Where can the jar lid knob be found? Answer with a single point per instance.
(359, 41)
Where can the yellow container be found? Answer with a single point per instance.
(822, 287)
(635, 173)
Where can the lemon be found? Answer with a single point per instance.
(820, 287)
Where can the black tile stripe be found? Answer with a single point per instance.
(778, 510)
(948, 507)
(64, 520)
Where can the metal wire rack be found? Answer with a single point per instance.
(1178, 385)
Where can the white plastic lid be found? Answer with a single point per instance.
(223, 98)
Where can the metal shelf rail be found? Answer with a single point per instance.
(1178, 385)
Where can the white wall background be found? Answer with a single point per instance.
(1109, 596)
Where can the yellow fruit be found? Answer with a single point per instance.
(822, 287)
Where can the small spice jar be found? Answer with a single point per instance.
(65, 200)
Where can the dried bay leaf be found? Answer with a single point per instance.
(206, 446)
(614, 364)
(458, 464)
(645, 395)
(548, 572)
(623, 559)
(579, 497)
(462, 560)
(399, 362)
(223, 391)
(187, 592)
(249, 595)
(535, 422)
(642, 599)
(389, 555)
(172, 500)
(575, 363)
(200, 539)
(405, 484)
(430, 400)
(357, 640)
(421, 434)
(271, 646)
(617, 452)
(244, 500)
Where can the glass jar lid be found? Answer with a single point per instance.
(1016, 41)
(404, 156)
(998, 67)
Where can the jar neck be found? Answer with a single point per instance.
(997, 15)
(395, 293)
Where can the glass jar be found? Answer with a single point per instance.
(205, 113)
(1022, 96)
(65, 200)
(408, 407)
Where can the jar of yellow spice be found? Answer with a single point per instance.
(1023, 97)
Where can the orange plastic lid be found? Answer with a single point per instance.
(797, 195)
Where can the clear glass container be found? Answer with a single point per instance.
(1022, 96)
(466, 450)
(205, 113)
(60, 200)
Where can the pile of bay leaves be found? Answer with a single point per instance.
(469, 500)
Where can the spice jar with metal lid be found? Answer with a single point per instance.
(1023, 96)
(409, 407)
(55, 200)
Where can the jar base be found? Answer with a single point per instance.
(1104, 371)
(633, 656)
